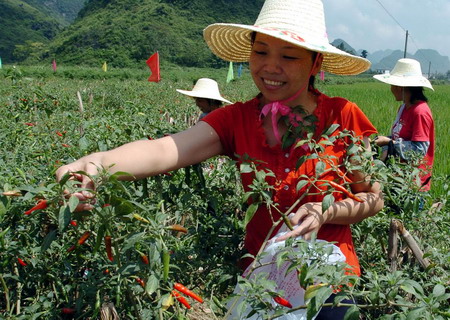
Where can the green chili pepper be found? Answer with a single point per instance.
(166, 263)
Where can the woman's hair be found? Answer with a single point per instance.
(312, 78)
(215, 103)
(417, 94)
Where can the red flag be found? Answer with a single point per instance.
(153, 64)
(54, 65)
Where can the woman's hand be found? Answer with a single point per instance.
(307, 220)
(90, 165)
(382, 141)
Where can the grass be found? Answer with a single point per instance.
(120, 88)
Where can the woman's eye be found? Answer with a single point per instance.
(259, 52)
(290, 58)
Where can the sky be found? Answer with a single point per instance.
(365, 24)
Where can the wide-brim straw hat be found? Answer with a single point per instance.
(205, 88)
(406, 73)
(299, 22)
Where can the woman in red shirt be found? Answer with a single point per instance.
(413, 128)
(286, 47)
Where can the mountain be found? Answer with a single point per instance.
(376, 56)
(430, 60)
(344, 46)
(64, 11)
(127, 32)
(31, 24)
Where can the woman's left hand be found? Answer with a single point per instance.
(307, 220)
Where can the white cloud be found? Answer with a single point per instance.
(365, 24)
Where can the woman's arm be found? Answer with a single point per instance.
(145, 158)
(309, 217)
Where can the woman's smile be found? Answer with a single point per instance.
(280, 69)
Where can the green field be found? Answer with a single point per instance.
(49, 119)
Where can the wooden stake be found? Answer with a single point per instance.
(412, 244)
(393, 245)
(81, 109)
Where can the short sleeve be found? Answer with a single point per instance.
(221, 120)
(423, 124)
(348, 115)
(354, 119)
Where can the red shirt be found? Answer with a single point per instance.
(416, 124)
(241, 133)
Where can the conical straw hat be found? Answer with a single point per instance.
(300, 22)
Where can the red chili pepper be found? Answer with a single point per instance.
(42, 204)
(181, 299)
(282, 302)
(65, 145)
(59, 133)
(84, 238)
(345, 191)
(108, 248)
(80, 241)
(73, 222)
(144, 258)
(178, 227)
(141, 282)
(67, 310)
(186, 291)
(21, 262)
(30, 124)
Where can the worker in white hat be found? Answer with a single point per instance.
(207, 95)
(413, 128)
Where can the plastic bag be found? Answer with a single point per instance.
(287, 284)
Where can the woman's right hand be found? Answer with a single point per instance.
(382, 141)
(90, 165)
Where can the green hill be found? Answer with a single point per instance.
(28, 26)
(64, 11)
(127, 32)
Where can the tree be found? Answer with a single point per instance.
(364, 53)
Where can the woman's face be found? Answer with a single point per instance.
(204, 105)
(279, 69)
(398, 92)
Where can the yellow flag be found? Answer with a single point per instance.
(105, 67)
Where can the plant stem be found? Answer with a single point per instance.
(5, 288)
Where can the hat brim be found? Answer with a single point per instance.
(404, 81)
(232, 42)
(206, 95)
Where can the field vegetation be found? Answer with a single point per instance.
(186, 226)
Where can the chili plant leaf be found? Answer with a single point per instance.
(352, 313)
(320, 168)
(48, 240)
(73, 203)
(63, 218)
(327, 201)
(151, 285)
(250, 212)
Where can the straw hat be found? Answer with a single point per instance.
(300, 22)
(406, 73)
(205, 88)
